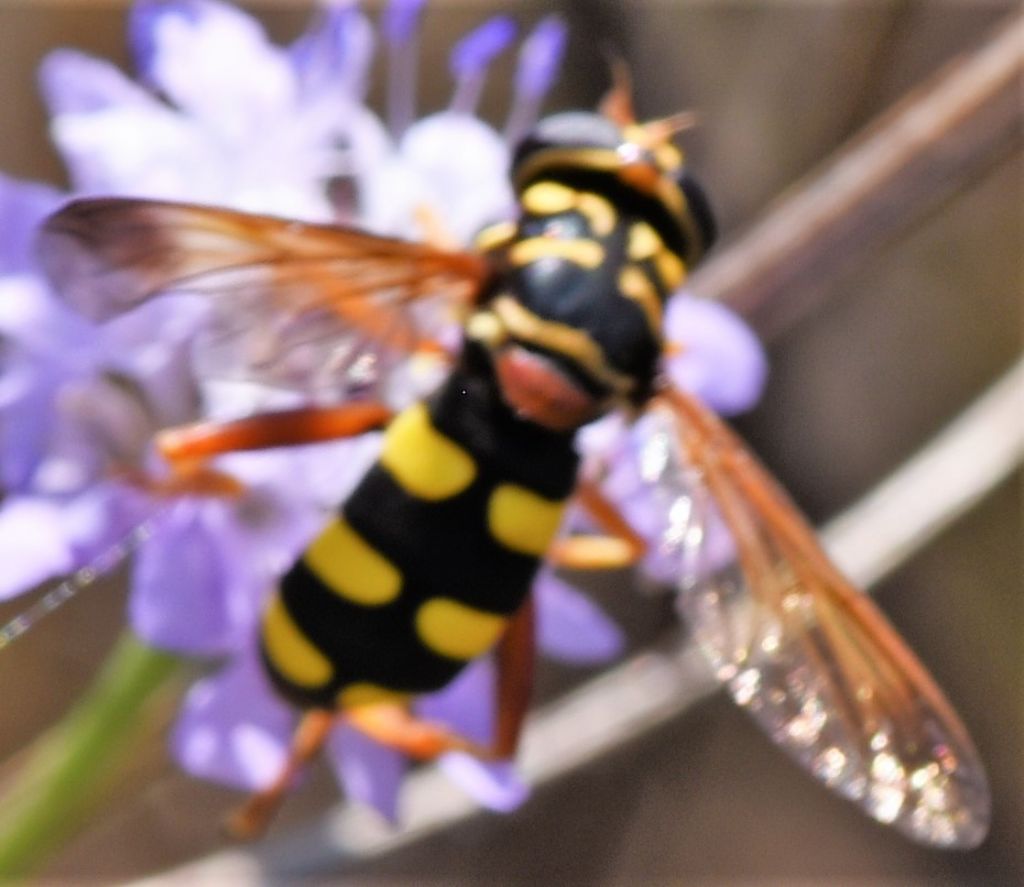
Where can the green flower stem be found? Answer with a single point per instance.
(69, 767)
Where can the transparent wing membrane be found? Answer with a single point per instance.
(809, 657)
(319, 309)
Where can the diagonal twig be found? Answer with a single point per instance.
(961, 121)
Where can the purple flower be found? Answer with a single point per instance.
(713, 354)
(224, 116)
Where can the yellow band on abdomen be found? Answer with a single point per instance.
(522, 520)
(424, 462)
(457, 630)
(350, 567)
(290, 651)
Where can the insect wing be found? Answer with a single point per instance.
(813, 660)
(296, 304)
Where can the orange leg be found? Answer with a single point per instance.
(621, 547)
(189, 448)
(252, 818)
(397, 727)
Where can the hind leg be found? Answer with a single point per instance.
(251, 819)
(396, 726)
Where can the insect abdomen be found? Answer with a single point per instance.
(428, 558)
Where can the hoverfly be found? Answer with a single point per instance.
(428, 564)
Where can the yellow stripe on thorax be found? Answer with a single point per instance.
(548, 198)
(561, 338)
(671, 268)
(495, 236)
(422, 460)
(350, 567)
(634, 284)
(645, 243)
(586, 253)
(290, 651)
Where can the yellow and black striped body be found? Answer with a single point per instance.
(438, 545)
(430, 555)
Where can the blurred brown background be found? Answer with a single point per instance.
(903, 342)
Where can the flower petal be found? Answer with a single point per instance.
(139, 150)
(335, 53)
(104, 516)
(541, 57)
(32, 545)
(233, 729)
(720, 359)
(466, 705)
(368, 772)
(214, 62)
(75, 83)
(179, 589)
(474, 52)
(401, 20)
(449, 161)
(497, 786)
(571, 627)
(23, 205)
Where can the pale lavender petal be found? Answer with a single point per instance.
(601, 439)
(466, 705)
(215, 62)
(541, 57)
(23, 434)
(495, 786)
(233, 729)
(474, 52)
(179, 589)
(267, 528)
(75, 83)
(449, 161)
(103, 516)
(143, 20)
(42, 325)
(401, 18)
(368, 772)
(571, 627)
(720, 360)
(32, 545)
(23, 205)
(335, 52)
(26, 422)
(138, 150)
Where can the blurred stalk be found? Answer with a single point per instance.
(927, 146)
(69, 768)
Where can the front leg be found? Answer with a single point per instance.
(621, 546)
(189, 448)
